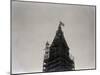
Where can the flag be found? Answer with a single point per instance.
(61, 23)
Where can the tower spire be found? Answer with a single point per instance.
(59, 57)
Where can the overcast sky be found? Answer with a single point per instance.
(35, 23)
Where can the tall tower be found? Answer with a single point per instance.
(57, 57)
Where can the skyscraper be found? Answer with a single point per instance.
(57, 56)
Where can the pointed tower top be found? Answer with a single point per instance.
(59, 37)
(57, 56)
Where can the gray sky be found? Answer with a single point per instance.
(35, 23)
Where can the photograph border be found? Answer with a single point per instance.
(48, 3)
